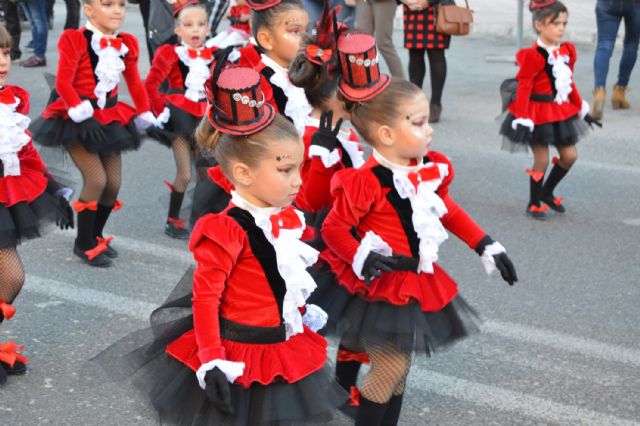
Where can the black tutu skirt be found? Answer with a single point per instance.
(58, 132)
(558, 134)
(172, 388)
(356, 321)
(24, 220)
(181, 124)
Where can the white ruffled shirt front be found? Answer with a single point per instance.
(13, 137)
(293, 258)
(331, 158)
(298, 107)
(197, 75)
(110, 65)
(561, 72)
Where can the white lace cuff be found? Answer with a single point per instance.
(81, 112)
(65, 193)
(314, 317)
(584, 110)
(231, 369)
(163, 118)
(487, 259)
(526, 122)
(329, 158)
(370, 243)
(145, 120)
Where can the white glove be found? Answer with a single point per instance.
(231, 369)
(144, 120)
(163, 118)
(314, 317)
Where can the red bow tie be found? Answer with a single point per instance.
(204, 54)
(114, 42)
(424, 174)
(7, 97)
(286, 219)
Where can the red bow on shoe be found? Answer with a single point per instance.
(114, 42)
(7, 96)
(9, 353)
(423, 175)
(178, 223)
(354, 396)
(542, 209)
(204, 53)
(286, 219)
(8, 311)
(103, 244)
(80, 206)
(317, 55)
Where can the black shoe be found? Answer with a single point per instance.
(99, 261)
(175, 229)
(555, 203)
(18, 369)
(111, 253)
(538, 213)
(435, 113)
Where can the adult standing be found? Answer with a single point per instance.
(609, 14)
(420, 37)
(347, 13)
(376, 17)
(12, 22)
(39, 33)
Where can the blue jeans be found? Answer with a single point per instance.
(609, 14)
(314, 10)
(39, 28)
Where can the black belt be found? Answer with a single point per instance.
(230, 330)
(542, 97)
(110, 102)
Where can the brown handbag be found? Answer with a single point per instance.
(454, 20)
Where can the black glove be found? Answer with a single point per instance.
(64, 212)
(218, 390)
(374, 265)
(91, 129)
(503, 263)
(160, 135)
(325, 136)
(591, 121)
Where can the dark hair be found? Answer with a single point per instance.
(384, 109)
(267, 18)
(191, 6)
(5, 38)
(247, 149)
(549, 13)
(318, 84)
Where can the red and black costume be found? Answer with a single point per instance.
(89, 69)
(235, 15)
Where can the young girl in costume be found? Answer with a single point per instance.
(383, 232)
(245, 353)
(28, 194)
(186, 67)
(547, 109)
(85, 117)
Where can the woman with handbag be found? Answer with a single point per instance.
(420, 36)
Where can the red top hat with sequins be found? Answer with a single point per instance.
(262, 4)
(178, 5)
(540, 4)
(361, 79)
(236, 102)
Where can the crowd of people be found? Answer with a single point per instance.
(297, 235)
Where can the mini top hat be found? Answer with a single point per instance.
(540, 4)
(236, 102)
(262, 4)
(361, 79)
(178, 5)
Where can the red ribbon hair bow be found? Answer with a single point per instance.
(423, 175)
(286, 219)
(9, 353)
(204, 54)
(114, 42)
(7, 97)
(318, 55)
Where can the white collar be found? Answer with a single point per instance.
(97, 32)
(255, 211)
(273, 64)
(549, 49)
(396, 168)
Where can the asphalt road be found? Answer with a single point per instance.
(561, 347)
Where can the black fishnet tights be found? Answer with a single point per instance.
(182, 156)
(388, 373)
(11, 274)
(101, 175)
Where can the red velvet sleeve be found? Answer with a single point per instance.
(163, 61)
(316, 178)
(132, 74)
(71, 46)
(216, 244)
(574, 96)
(353, 197)
(531, 63)
(23, 96)
(457, 220)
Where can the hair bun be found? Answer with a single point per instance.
(540, 4)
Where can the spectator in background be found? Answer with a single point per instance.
(376, 17)
(347, 13)
(609, 14)
(12, 22)
(39, 33)
(73, 14)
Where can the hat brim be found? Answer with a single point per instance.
(249, 129)
(263, 5)
(364, 94)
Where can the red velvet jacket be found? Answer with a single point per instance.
(365, 199)
(536, 77)
(75, 79)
